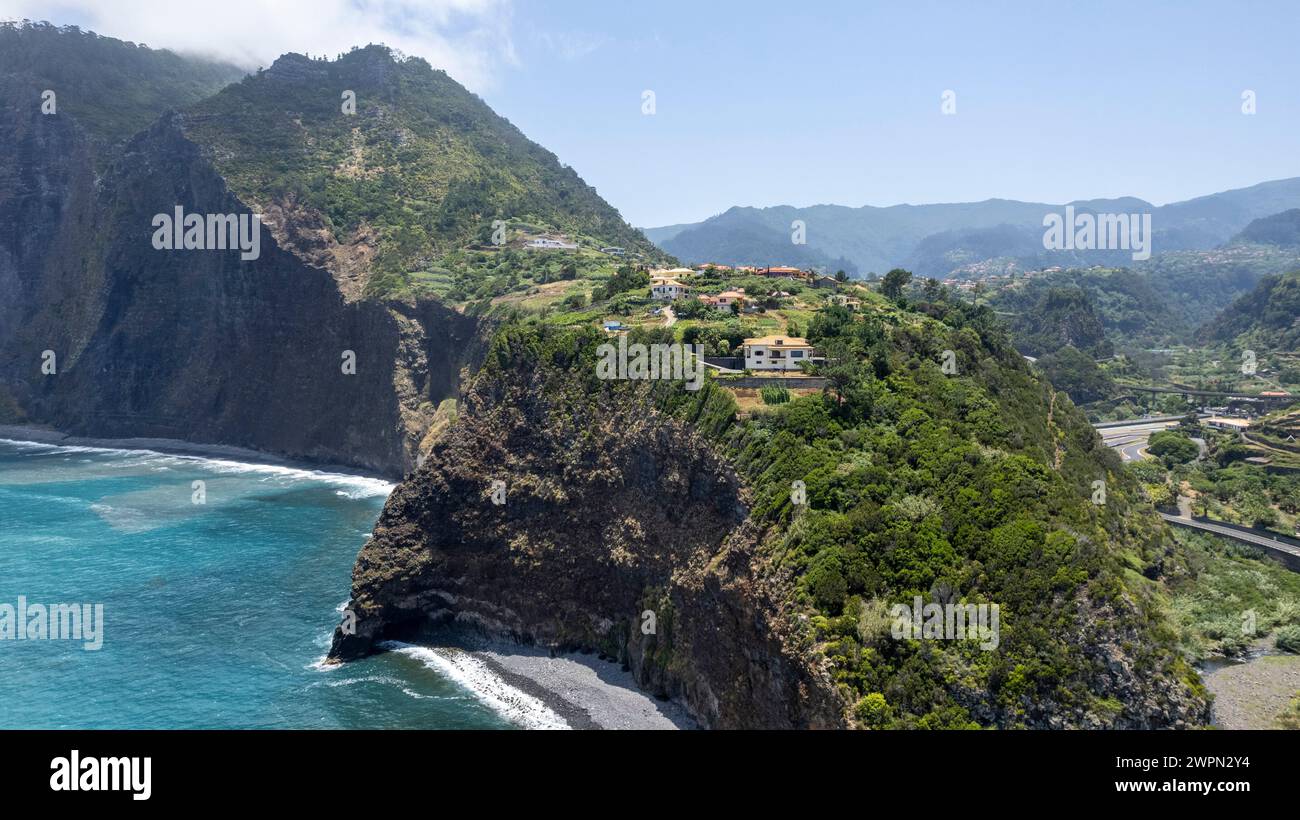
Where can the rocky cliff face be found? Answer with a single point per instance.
(613, 510)
(199, 344)
(613, 515)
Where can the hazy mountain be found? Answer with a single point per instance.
(934, 240)
(111, 88)
(1282, 230)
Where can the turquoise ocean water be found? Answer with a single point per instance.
(215, 615)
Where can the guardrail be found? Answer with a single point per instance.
(1286, 550)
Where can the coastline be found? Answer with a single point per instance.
(35, 434)
(532, 687)
(580, 690)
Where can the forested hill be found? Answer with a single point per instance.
(1266, 319)
(423, 166)
(111, 88)
(1281, 229)
(976, 485)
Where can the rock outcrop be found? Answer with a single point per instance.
(198, 344)
(621, 531)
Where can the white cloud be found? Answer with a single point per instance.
(571, 45)
(470, 39)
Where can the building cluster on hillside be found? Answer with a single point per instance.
(774, 271)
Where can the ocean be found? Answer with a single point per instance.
(215, 615)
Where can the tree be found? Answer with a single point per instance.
(841, 276)
(895, 281)
(841, 368)
(1173, 447)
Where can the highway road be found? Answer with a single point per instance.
(1131, 440)
(1254, 537)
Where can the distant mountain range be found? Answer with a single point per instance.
(962, 239)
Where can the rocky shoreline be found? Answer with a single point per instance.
(585, 691)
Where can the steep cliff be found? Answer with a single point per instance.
(204, 346)
(622, 500)
(294, 349)
(614, 514)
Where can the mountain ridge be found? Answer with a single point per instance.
(876, 238)
(294, 352)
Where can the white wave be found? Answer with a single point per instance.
(473, 674)
(354, 487)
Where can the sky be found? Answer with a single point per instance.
(759, 102)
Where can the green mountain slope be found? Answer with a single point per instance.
(1266, 319)
(112, 88)
(420, 170)
(975, 487)
(1281, 229)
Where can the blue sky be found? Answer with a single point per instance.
(764, 102)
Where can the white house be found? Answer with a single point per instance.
(668, 289)
(1222, 423)
(548, 244)
(776, 353)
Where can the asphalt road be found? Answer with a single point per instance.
(1131, 440)
(1228, 532)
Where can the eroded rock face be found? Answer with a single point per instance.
(200, 345)
(609, 514)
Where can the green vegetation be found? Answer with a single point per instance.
(1231, 596)
(422, 172)
(1060, 317)
(923, 484)
(1290, 717)
(1266, 319)
(1172, 447)
(1288, 639)
(112, 88)
(775, 395)
(951, 487)
(895, 282)
(1076, 373)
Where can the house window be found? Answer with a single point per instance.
(796, 354)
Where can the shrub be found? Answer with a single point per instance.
(873, 711)
(775, 395)
(1288, 639)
